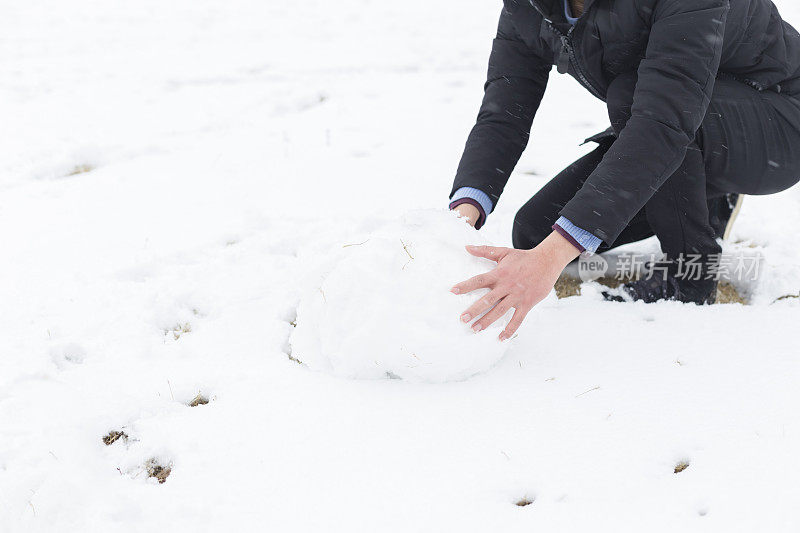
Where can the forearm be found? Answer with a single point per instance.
(499, 136)
(515, 84)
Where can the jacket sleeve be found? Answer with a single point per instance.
(675, 83)
(514, 88)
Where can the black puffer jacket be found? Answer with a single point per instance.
(678, 47)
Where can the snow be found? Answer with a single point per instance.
(175, 176)
(384, 309)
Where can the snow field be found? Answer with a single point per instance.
(173, 178)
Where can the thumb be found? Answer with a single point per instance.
(489, 252)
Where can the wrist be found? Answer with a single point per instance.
(470, 212)
(559, 249)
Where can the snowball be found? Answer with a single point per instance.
(384, 309)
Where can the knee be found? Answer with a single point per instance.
(619, 99)
(530, 228)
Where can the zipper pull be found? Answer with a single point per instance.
(562, 64)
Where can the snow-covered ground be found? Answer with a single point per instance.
(171, 175)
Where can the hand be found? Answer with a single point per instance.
(468, 212)
(521, 279)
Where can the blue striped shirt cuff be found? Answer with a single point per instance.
(477, 195)
(583, 237)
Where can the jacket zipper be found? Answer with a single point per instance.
(566, 41)
(760, 87)
(566, 44)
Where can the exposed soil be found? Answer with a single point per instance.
(114, 436)
(158, 471)
(567, 286)
(198, 400)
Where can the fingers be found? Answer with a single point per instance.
(492, 316)
(482, 305)
(489, 252)
(481, 281)
(514, 323)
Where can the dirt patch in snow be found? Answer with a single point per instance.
(681, 466)
(158, 471)
(727, 294)
(568, 286)
(114, 436)
(198, 400)
(178, 330)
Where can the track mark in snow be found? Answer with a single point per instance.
(66, 355)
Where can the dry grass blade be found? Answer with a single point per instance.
(405, 247)
(355, 244)
(80, 169)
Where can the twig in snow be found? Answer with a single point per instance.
(588, 391)
(406, 249)
(170, 390)
(355, 244)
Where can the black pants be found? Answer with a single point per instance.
(749, 143)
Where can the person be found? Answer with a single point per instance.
(703, 99)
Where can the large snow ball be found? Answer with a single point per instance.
(384, 308)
